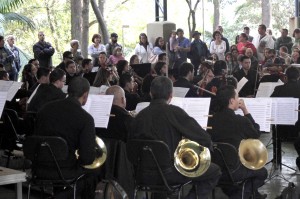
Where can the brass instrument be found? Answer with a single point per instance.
(101, 154)
(253, 154)
(191, 159)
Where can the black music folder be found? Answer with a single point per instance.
(142, 69)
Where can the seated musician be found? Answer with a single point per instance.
(86, 72)
(49, 92)
(249, 88)
(186, 75)
(132, 98)
(118, 125)
(289, 89)
(168, 123)
(231, 128)
(66, 118)
(71, 71)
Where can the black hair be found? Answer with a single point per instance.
(263, 26)
(78, 86)
(31, 60)
(85, 62)
(158, 66)
(120, 66)
(96, 36)
(101, 77)
(147, 83)
(161, 88)
(3, 74)
(143, 34)
(132, 59)
(244, 57)
(161, 55)
(67, 54)
(185, 68)
(56, 74)
(245, 36)
(219, 66)
(69, 63)
(216, 32)
(246, 28)
(157, 43)
(124, 79)
(223, 95)
(42, 71)
(292, 73)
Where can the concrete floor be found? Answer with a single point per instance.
(273, 187)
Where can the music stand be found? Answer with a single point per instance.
(142, 69)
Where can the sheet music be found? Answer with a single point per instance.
(94, 90)
(285, 110)
(103, 89)
(5, 85)
(197, 108)
(65, 89)
(33, 94)
(99, 106)
(140, 106)
(95, 69)
(266, 89)
(3, 96)
(241, 84)
(13, 90)
(260, 109)
(180, 91)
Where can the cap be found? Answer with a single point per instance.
(196, 33)
(179, 30)
(113, 35)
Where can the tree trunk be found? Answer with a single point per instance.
(192, 17)
(266, 12)
(101, 22)
(76, 8)
(216, 14)
(85, 28)
(101, 8)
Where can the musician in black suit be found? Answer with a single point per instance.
(49, 92)
(67, 119)
(186, 75)
(127, 83)
(168, 123)
(249, 88)
(289, 89)
(120, 120)
(231, 128)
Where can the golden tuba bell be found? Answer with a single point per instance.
(253, 154)
(191, 159)
(101, 154)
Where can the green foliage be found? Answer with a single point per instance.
(8, 5)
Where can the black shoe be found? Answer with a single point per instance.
(298, 162)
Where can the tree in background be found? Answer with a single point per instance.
(6, 6)
(192, 17)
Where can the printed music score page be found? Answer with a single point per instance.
(284, 110)
(241, 84)
(99, 106)
(266, 89)
(180, 91)
(3, 96)
(197, 108)
(13, 90)
(260, 109)
(140, 106)
(10, 87)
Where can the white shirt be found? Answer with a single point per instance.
(141, 52)
(260, 44)
(94, 52)
(219, 50)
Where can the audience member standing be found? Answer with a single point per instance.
(43, 51)
(218, 46)
(143, 49)
(17, 62)
(112, 44)
(6, 59)
(284, 40)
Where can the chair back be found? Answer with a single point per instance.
(45, 147)
(225, 155)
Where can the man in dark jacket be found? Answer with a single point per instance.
(43, 51)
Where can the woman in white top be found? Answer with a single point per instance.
(143, 49)
(95, 49)
(218, 46)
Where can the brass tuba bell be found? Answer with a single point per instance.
(101, 154)
(253, 154)
(191, 159)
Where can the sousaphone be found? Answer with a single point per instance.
(191, 159)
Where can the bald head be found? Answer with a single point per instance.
(119, 95)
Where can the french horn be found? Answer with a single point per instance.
(101, 154)
(253, 154)
(191, 159)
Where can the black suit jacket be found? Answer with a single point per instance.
(45, 93)
(250, 87)
(182, 82)
(118, 125)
